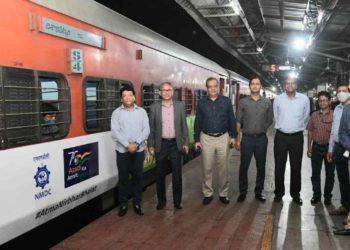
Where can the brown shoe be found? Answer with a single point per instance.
(339, 211)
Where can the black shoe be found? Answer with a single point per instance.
(161, 205)
(260, 197)
(224, 200)
(138, 209)
(342, 231)
(178, 206)
(207, 200)
(315, 200)
(277, 199)
(298, 200)
(328, 201)
(241, 198)
(122, 210)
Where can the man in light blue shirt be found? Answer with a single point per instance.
(291, 111)
(336, 151)
(130, 129)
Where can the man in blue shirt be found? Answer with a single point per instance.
(291, 111)
(336, 151)
(215, 130)
(130, 129)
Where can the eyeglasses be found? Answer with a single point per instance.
(166, 90)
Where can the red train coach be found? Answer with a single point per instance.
(71, 58)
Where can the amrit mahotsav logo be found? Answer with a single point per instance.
(42, 176)
(80, 163)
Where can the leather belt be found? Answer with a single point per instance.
(320, 145)
(169, 139)
(254, 135)
(215, 134)
(289, 134)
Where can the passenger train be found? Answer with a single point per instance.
(75, 56)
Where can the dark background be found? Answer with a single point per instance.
(169, 19)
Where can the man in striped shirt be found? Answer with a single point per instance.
(319, 130)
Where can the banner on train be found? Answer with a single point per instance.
(80, 163)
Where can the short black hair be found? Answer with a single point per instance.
(344, 84)
(127, 87)
(211, 79)
(251, 79)
(324, 93)
(48, 109)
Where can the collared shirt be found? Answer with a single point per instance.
(344, 128)
(129, 126)
(291, 115)
(255, 116)
(168, 124)
(334, 138)
(214, 117)
(320, 125)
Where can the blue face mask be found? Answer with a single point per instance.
(52, 122)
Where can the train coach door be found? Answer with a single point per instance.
(222, 86)
(237, 90)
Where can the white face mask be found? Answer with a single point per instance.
(343, 96)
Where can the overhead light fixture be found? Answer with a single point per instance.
(259, 49)
(320, 16)
(327, 67)
(234, 7)
(305, 20)
(299, 44)
(293, 75)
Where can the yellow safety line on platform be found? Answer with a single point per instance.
(267, 236)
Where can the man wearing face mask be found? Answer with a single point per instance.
(49, 128)
(344, 141)
(336, 151)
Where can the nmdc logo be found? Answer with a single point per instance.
(42, 176)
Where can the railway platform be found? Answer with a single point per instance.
(247, 225)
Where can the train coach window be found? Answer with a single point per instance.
(24, 95)
(187, 99)
(199, 94)
(150, 94)
(55, 115)
(101, 98)
(177, 94)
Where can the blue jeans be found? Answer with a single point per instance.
(130, 164)
(250, 145)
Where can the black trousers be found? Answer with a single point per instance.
(319, 155)
(341, 165)
(293, 145)
(250, 145)
(130, 164)
(169, 152)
